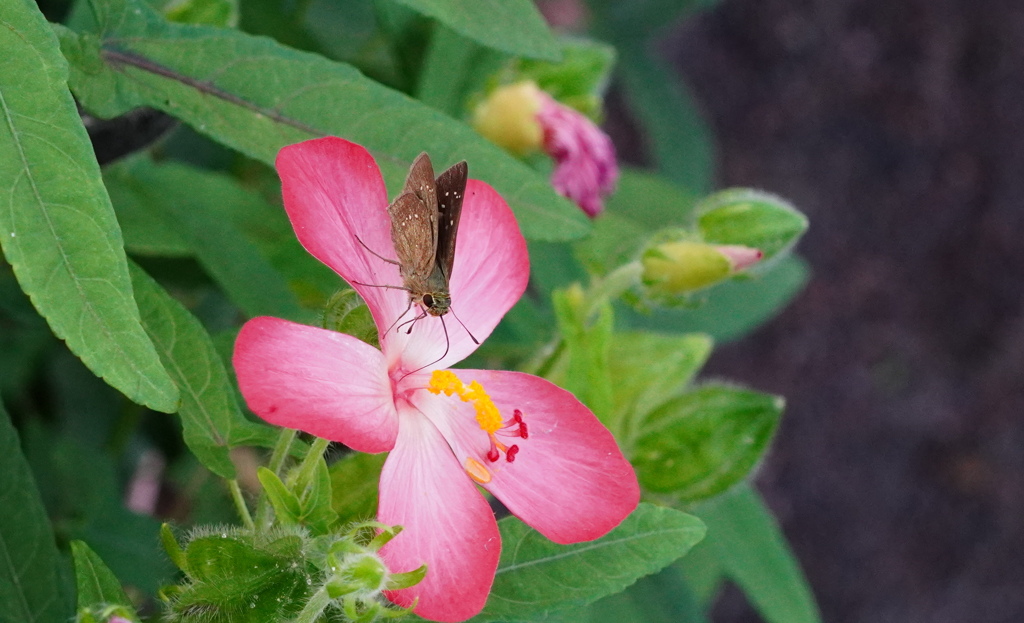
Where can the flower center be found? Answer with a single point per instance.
(488, 418)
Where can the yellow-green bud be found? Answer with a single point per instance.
(508, 117)
(682, 266)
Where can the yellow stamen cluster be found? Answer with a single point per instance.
(487, 414)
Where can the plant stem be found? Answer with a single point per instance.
(314, 607)
(612, 286)
(240, 505)
(284, 443)
(305, 471)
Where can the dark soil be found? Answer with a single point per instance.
(897, 126)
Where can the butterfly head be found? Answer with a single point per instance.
(437, 303)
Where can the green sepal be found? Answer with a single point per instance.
(405, 580)
(337, 588)
(346, 312)
(383, 538)
(174, 551)
(751, 218)
(578, 80)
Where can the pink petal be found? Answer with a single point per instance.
(447, 525)
(321, 382)
(490, 273)
(569, 479)
(739, 256)
(585, 164)
(333, 193)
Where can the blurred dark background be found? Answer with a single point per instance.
(898, 473)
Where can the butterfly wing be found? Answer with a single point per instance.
(414, 225)
(451, 190)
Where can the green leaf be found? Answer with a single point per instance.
(212, 12)
(147, 231)
(84, 498)
(703, 442)
(256, 96)
(29, 586)
(680, 140)
(201, 208)
(514, 26)
(212, 421)
(663, 597)
(287, 507)
(57, 228)
(354, 486)
(614, 240)
(744, 536)
(24, 339)
(579, 79)
(234, 579)
(704, 573)
(319, 514)
(652, 200)
(752, 218)
(643, 204)
(454, 68)
(536, 577)
(97, 585)
(586, 340)
(315, 499)
(639, 387)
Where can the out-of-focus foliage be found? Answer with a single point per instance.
(122, 288)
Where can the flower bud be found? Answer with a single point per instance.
(508, 118)
(739, 256)
(523, 118)
(679, 267)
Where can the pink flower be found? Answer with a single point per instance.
(528, 442)
(585, 166)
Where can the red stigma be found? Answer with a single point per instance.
(522, 429)
(510, 454)
(493, 454)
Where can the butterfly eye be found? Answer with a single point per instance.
(428, 300)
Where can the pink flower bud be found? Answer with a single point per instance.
(585, 166)
(522, 118)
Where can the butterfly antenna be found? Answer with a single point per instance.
(468, 332)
